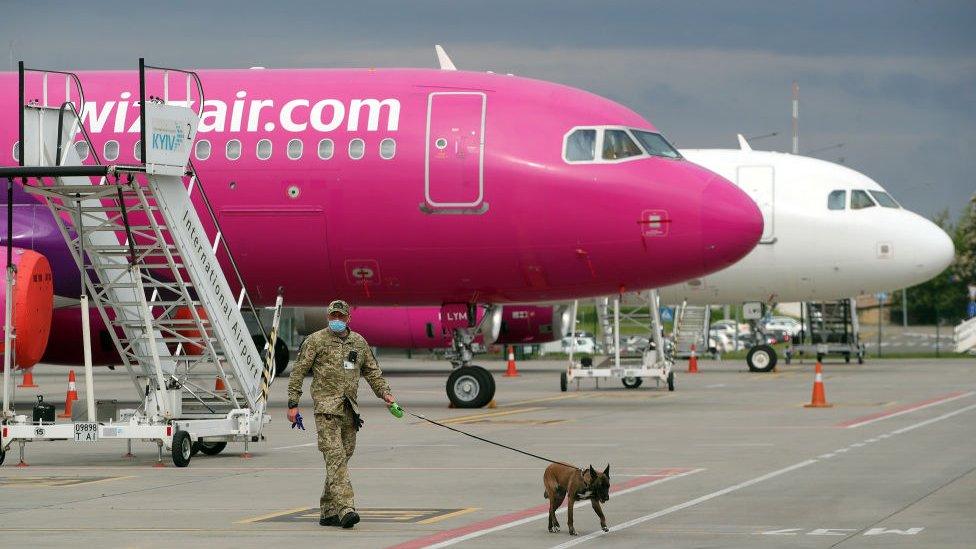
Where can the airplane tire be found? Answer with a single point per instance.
(563, 381)
(281, 354)
(182, 448)
(761, 358)
(631, 382)
(470, 387)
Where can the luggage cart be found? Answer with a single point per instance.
(151, 271)
(655, 361)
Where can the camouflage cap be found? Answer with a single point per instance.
(338, 306)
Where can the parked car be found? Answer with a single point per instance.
(585, 345)
(784, 323)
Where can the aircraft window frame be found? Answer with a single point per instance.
(360, 142)
(843, 200)
(297, 152)
(637, 152)
(263, 143)
(331, 149)
(388, 142)
(881, 202)
(114, 155)
(600, 137)
(16, 152)
(643, 147)
(227, 149)
(866, 195)
(200, 144)
(82, 145)
(593, 156)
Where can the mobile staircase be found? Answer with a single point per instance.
(691, 329)
(152, 272)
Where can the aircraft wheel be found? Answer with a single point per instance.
(212, 448)
(632, 382)
(563, 381)
(182, 448)
(671, 380)
(281, 354)
(470, 387)
(761, 358)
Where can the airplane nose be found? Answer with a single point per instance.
(731, 224)
(933, 249)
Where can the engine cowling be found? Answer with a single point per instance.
(532, 324)
(33, 304)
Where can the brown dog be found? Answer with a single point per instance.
(579, 484)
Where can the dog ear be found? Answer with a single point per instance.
(592, 472)
(607, 471)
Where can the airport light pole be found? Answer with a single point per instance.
(796, 118)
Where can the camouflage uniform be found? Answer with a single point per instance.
(335, 382)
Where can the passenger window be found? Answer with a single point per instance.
(325, 149)
(617, 144)
(264, 149)
(295, 147)
(860, 200)
(111, 151)
(203, 149)
(884, 199)
(837, 200)
(655, 144)
(137, 151)
(581, 146)
(83, 150)
(387, 148)
(233, 149)
(17, 152)
(357, 147)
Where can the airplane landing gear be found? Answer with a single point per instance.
(761, 358)
(468, 386)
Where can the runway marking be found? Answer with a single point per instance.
(405, 515)
(54, 482)
(543, 399)
(510, 520)
(474, 417)
(901, 410)
(748, 483)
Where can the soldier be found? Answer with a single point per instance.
(337, 356)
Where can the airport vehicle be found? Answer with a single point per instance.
(829, 233)
(417, 187)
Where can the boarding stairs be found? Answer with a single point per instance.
(691, 329)
(829, 328)
(964, 336)
(150, 267)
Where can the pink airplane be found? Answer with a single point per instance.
(413, 187)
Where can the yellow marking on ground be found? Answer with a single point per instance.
(465, 419)
(271, 515)
(457, 513)
(53, 482)
(544, 399)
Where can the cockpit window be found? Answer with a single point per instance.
(581, 146)
(617, 144)
(837, 200)
(884, 199)
(861, 200)
(655, 144)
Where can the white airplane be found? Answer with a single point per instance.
(830, 233)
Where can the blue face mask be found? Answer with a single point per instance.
(337, 326)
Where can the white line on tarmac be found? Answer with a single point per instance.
(911, 409)
(295, 446)
(746, 484)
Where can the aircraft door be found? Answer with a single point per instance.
(454, 160)
(759, 182)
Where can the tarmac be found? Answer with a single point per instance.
(730, 459)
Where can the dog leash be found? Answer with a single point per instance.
(482, 439)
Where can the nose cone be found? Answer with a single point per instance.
(731, 224)
(931, 249)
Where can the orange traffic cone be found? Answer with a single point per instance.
(219, 385)
(71, 396)
(512, 371)
(819, 399)
(693, 361)
(28, 379)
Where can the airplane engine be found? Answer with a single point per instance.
(530, 324)
(33, 303)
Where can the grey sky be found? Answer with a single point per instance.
(893, 80)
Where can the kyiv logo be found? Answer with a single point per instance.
(169, 139)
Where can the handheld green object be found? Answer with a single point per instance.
(396, 410)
